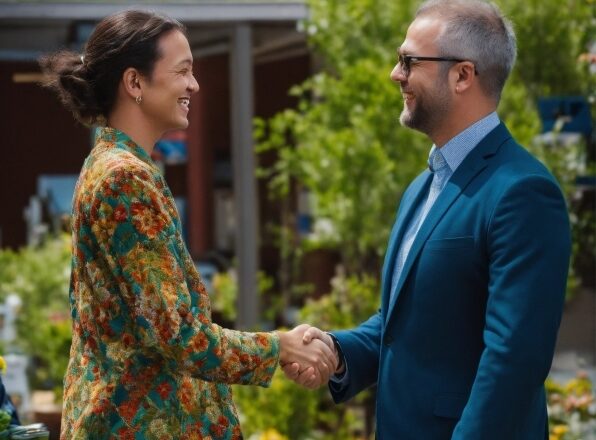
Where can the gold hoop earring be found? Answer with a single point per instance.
(139, 99)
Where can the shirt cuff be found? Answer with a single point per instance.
(342, 378)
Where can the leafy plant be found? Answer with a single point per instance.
(352, 300)
(343, 142)
(225, 292)
(40, 277)
(4, 420)
(291, 410)
(294, 412)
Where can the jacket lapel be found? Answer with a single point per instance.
(472, 165)
(415, 196)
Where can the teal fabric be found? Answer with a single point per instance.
(462, 349)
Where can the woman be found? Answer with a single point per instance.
(146, 361)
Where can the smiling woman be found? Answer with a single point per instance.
(146, 361)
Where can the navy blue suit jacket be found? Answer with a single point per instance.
(464, 348)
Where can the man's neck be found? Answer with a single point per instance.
(456, 126)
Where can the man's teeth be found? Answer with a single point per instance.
(184, 101)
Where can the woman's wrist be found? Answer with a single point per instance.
(282, 336)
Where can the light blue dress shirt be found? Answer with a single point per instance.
(443, 162)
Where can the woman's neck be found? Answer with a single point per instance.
(136, 126)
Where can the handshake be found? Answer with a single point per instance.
(308, 356)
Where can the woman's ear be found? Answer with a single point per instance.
(131, 80)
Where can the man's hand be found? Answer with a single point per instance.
(304, 377)
(313, 361)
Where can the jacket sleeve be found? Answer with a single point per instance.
(528, 246)
(135, 228)
(360, 347)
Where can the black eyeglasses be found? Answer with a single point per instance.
(405, 62)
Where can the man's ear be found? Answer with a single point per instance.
(131, 80)
(465, 75)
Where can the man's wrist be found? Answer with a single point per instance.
(340, 356)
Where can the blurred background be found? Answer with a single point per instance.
(287, 181)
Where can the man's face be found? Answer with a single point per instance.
(427, 99)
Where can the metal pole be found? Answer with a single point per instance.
(243, 161)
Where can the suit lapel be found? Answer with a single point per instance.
(415, 196)
(472, 165)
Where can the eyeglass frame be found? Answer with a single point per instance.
(405, 65)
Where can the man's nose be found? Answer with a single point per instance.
(397, 74)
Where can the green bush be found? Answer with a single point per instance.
(40, 277)
(289, 409)
(295, 412)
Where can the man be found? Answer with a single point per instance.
(474, 277)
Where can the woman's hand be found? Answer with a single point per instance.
(313, 360)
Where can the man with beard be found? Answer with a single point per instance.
(474, 277)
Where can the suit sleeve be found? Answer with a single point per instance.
(528, 246)
(136, 233)
(360, 347)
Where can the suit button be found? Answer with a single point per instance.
(388, 340)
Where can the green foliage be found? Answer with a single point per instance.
(518, 111)
(291, 410)
(347, 31)
(40, 277)
(4, 420)
(344, 142)
(294, 412)
(551, 35)
(352, 300)
(225, 293)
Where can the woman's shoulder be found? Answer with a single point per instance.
(114, 163)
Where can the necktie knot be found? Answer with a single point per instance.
(436, 161)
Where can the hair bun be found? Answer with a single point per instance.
(67, 74)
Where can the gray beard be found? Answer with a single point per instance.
(428, 114)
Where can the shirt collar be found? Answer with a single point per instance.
(458, 147)
(118, 139)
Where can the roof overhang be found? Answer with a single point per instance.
(189, 12)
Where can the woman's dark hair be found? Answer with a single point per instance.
(87, 84)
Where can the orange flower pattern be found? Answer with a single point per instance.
(146, 361)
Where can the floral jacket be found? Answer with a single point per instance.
(146, 362)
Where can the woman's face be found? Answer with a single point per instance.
(166, 94)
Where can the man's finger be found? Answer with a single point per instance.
(291, 370)
(307, 377)
(312, 333)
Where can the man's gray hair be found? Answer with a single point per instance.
(477, 31)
